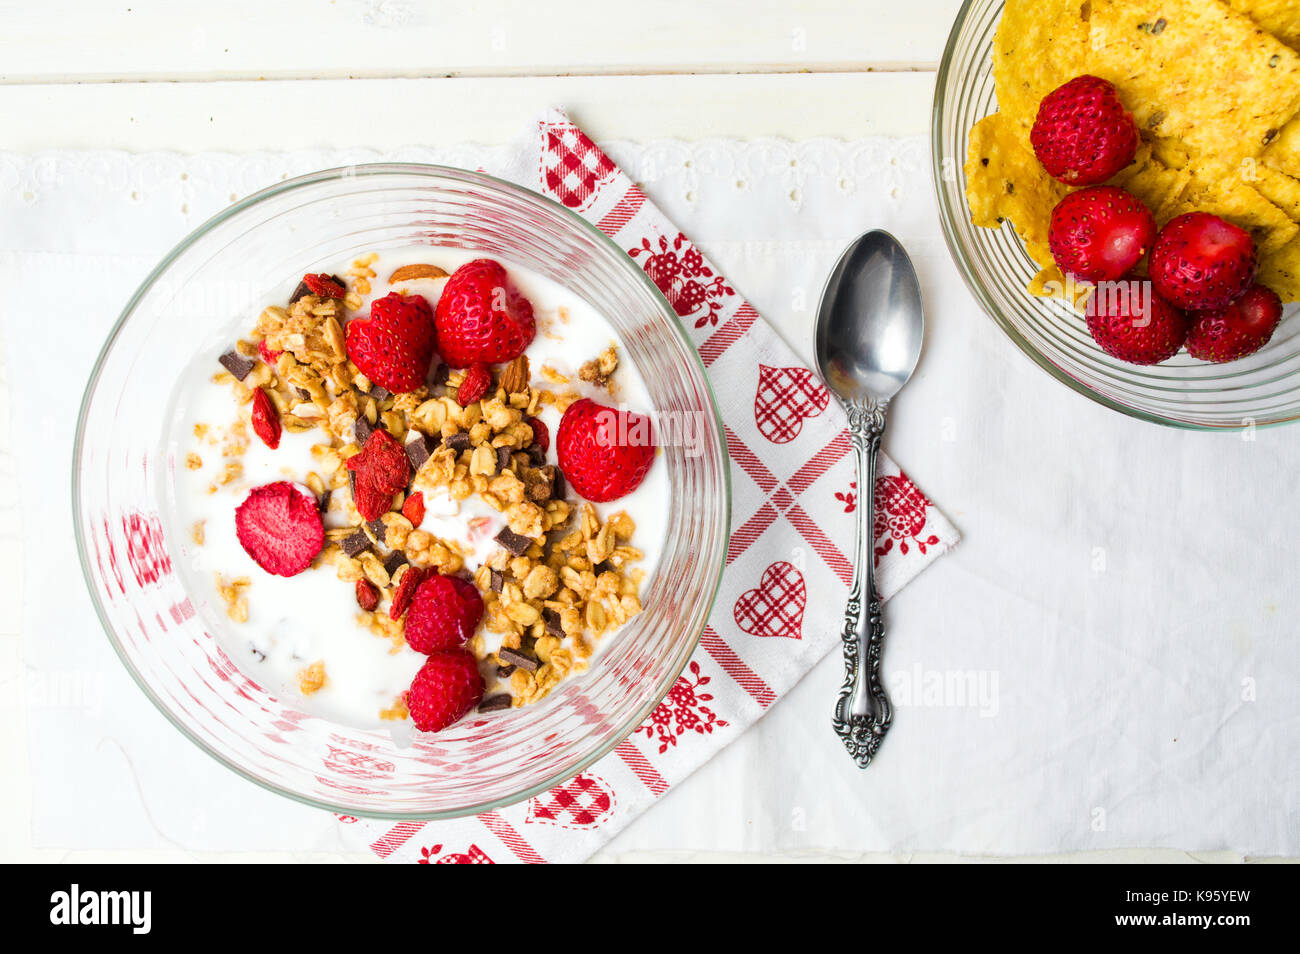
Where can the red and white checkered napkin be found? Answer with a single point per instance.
(793, 481)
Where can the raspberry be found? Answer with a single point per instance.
(367, 595)
(446, 687)
(405, 591)
(382, 469)
(541, 435)
(266, 422)
(603, 453)
(475, 385)
(324, 286)
(279, 526)
(445, 612)
(413, 509)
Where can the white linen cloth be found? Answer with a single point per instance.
(1108, 660)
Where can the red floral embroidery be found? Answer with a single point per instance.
(474, 855)
(683, 711)
(689, 285)
(900, 516)
(849, 497)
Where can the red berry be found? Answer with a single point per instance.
(474, 386)
(279, 526)
(1083, 135)
(405, 592)
(445, 612)
(269, 354)
(1099, 234)
(604, 453)
(1236, 330)
(382, 469)
(393, 346)
(446, 687)
(266, 422)
(413, 508)
(541, 435)
(1133, 324)
(1200, 261)
(367, 595)
(324, 286)
(481, 317)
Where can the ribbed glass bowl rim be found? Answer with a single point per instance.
(430, 170)
(951, 217)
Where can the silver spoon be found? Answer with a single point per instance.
(869, 330)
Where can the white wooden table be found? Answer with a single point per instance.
(232, 76)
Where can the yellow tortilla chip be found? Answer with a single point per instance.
(1280, 270)
(1283, 154)
(1221, 190)
(1039, 45)
(1196, 71)
(1005, 181)
(1280, 189)
(1158, 185)
(1278, 17)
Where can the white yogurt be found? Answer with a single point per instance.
(294, 622)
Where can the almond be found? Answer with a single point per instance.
(516, 376)
(411, 272)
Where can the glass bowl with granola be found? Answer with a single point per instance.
(400, 491)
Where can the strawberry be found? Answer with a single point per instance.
(279, 526)
(475, 384)
(481, 317)
(603, 453)
(1236, 330)
(413, 508)
(1133, 324)
(1099, 234)
(1199, 261)
(1083, 135)
(367, 595)
(541, 436)
(444, 689)
(445, 612)
(266, 421)
(324, 286)
(382, 469)
(394, 345)
(405, 592)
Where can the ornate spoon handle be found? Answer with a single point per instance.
(862, 712)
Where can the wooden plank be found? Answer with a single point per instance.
(385, 114)
(88, 40)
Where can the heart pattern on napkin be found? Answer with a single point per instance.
(785, 398)
(774, 607)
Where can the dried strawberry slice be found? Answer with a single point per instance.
(324, 286)
(279, 526)
(475, 385)
(266, 422)
(382, 469)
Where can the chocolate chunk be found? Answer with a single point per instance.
(458, 441)
(323, 501)
(527, 663)
(552, 620)
(503, 672)
(418, 450)
(440, 374)
(395, 559)
(362, 429)
(498, 581)
(237, 364)
(494, 703)
(299, 292)
(536, 456)
(503, 459)
(380, 394)
(514, 542)
(377, 528)
(355, 543)
(304, 394)
(558, 486)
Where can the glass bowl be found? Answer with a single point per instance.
(199, 298)
(1259, 390)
